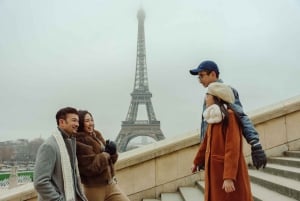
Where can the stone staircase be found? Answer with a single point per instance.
(279, 181)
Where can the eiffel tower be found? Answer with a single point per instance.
(132, 127)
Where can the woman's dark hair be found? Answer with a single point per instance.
(224, 111)
(81, 114)
(62, 113)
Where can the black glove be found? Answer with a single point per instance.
(259, 158)
(110, 147)
(200, 167)
(197, 168)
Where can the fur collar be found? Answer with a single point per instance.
(213, 114)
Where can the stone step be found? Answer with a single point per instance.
(282, 185)
(171, 197)
(259, 193)
(295, 154)
(263, 194)
(191, 193)
(200, 185)
(279, 181)
(287, 161)
(282, 170)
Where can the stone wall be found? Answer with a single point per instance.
(165, 165)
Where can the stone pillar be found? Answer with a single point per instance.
(13, 178)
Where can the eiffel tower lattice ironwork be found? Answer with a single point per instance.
(132, 127)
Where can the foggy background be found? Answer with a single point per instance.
(83, 54)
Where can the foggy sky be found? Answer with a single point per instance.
(83, 54)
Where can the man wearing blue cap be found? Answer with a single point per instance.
(208, 72)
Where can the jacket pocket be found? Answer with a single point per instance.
(217, 158)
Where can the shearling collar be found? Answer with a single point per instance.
(213, 114)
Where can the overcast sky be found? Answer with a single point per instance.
(82, 53)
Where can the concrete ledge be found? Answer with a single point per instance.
(165, 165)
(167, 146)
(275, 110)
(157, 149)
(19, 193)
(277, 123)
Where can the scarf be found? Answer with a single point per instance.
(213, 114)
(66, 168)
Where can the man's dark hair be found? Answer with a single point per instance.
(209, 72)
(81, 114)
(62, 113)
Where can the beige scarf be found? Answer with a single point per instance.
(66, 168)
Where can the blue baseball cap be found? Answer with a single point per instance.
(205, 65)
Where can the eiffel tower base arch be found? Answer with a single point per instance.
(131, 130)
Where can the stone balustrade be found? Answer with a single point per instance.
(165, 165)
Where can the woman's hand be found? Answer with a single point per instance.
(194, 168)
(228, 186)
(197, 168)
(107, 155)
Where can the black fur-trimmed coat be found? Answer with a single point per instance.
(96, 167)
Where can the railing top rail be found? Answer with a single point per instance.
(275, 110)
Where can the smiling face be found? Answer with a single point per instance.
(88, 123)
(69, 124)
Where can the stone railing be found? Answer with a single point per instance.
(165, 165)
(158, 167)
(278, 127)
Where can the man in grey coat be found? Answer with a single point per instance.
(56, 175)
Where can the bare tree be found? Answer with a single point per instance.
(7, 153)
(33, 147)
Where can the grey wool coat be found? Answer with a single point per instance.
(48, 175)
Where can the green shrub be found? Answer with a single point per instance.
(6, 175)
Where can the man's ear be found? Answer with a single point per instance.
(214, 73)
(61, 121)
